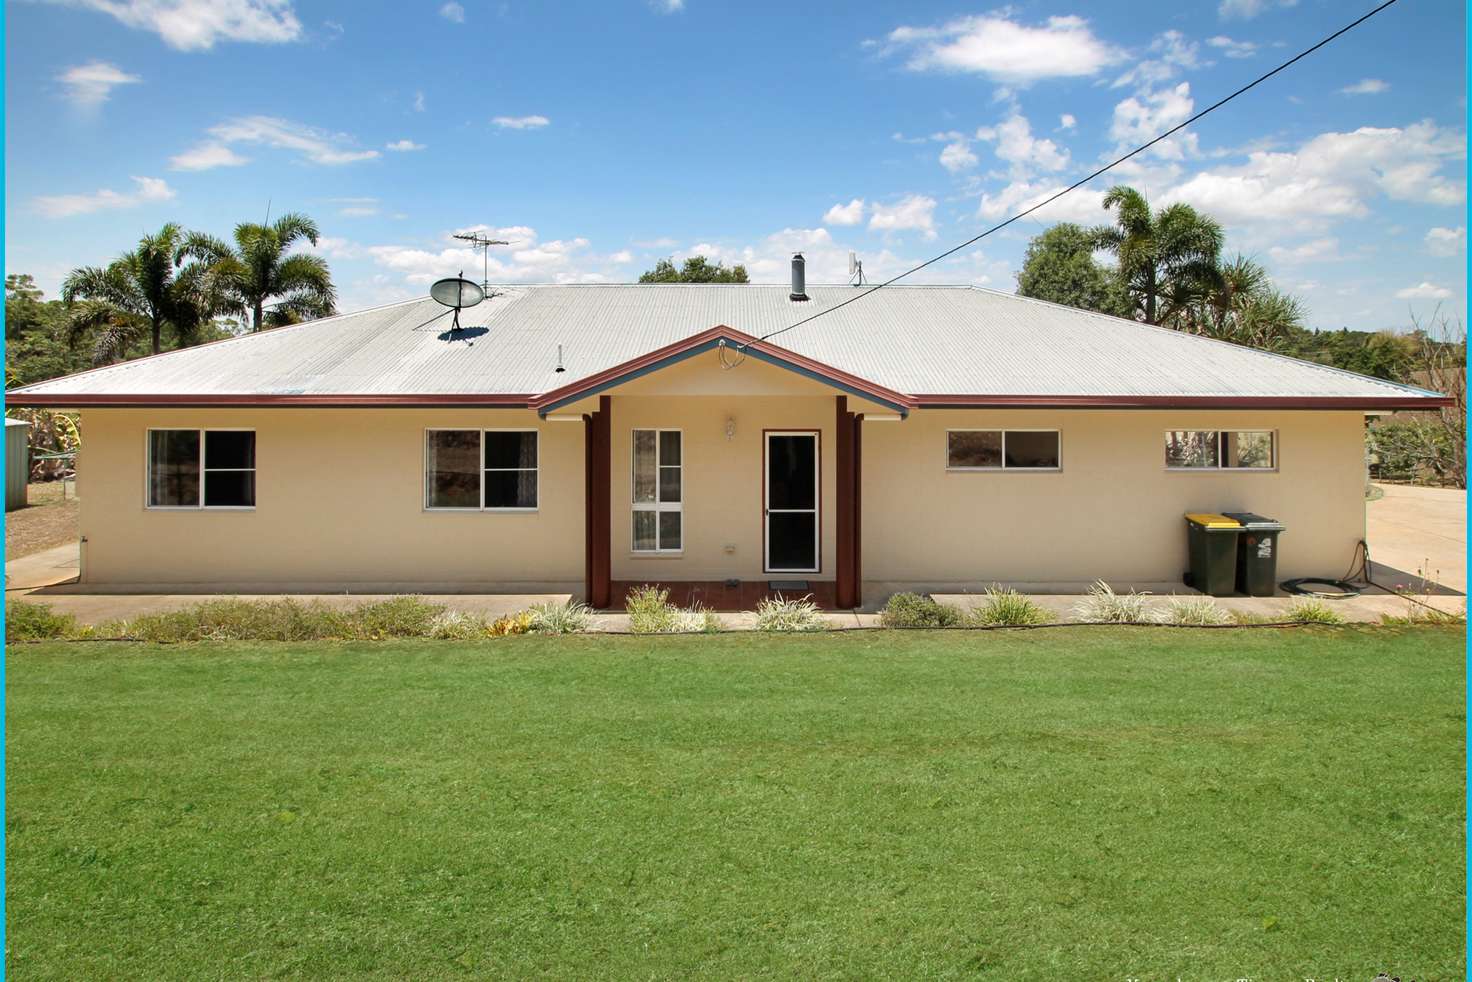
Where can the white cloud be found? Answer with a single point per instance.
(1318, 250)
(356, 207)
(1082, 205)
(1067, 121)
(1145, 116)
(1026, 153)
(453, 12)
(196, 25)
(957, 157)
(147, 190)
(1174, 53)
(1331, 177)
(419, 102)
(621, 257)
(912, 212)
(89, 86)
(521, 122)
(403, 146)
(1423, 291)
(1366, 86)
(841, 214)
(1248, 9)
(1446, 241)
(207, 156)
(1007, 51)
(1231, 48)
(314, 145)
(533, 262)
(668, 6)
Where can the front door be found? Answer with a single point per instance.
(790, 502)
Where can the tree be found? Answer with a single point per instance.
(260, 271)
(1060, 266)
(697, 269)
(1168, 259)
(139, 293)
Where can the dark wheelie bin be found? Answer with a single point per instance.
(1211, 542)
(1257, 554)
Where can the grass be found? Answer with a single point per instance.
(48, 520)
(1064, 803)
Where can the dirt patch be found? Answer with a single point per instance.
(49, 520)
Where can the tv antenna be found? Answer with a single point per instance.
(483, 243)
(855, 270)
(457, 292)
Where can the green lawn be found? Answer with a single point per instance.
(1061, 804)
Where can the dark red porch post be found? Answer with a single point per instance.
(846, 587)
(597, 469)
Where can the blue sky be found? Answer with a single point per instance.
(601, 136)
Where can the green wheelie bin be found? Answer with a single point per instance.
(1257, 553)
(1211, 544)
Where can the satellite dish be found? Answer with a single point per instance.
(457, 292)
(853, 264)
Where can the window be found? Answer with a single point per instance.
(201, 469)
(991, 450)
(480, 470)
(1220, 450)
(658, 491)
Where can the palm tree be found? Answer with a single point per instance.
(138, 294)
(1167, 258)
(260, 267)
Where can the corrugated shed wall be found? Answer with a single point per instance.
(17, 462)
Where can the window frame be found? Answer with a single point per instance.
(480, 470)
(1220, 467)
(656, 506)
(203, 432)
(1002, 468)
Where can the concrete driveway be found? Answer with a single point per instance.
(1416, 532)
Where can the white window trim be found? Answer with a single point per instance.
(148, 468)
(1219, 467)
(481, 471)
(656, 505)
(1002, 468)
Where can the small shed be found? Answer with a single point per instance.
(17, 462)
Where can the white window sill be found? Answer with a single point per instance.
(199, 507)
(1004, 470)
(1221, 470)
(662, 554)
(480, 511)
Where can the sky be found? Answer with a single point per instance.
(599, 137)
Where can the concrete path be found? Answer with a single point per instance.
(1409, 529)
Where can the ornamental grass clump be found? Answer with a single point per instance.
(569, 617)
(699, 620)
(650, 611)
(1104, 606)
(399, 617)
(1005, 607)
(1193, 612)
(780, 614)
(1309, 611)
(911, 610)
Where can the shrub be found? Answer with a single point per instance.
(26, 621)
(1310, 611)
(1193, 611)
(650, 611)
(1104, 606)
(517, 623)
(699, 620)
(399, 617)
(569, 617)
(908, 610)
(455, 625)
(780, 614)
(1005, 607)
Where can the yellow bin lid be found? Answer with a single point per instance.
(1213, 521)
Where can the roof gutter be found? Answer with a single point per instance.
(944, 401)
(268, 401)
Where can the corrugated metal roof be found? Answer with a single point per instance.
(919, 340)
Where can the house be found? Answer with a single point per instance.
(581, 438)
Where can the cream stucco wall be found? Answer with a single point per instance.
(340, 496)
(339, 500)
(1113, 511)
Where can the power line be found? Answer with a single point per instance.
(1080, 183)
